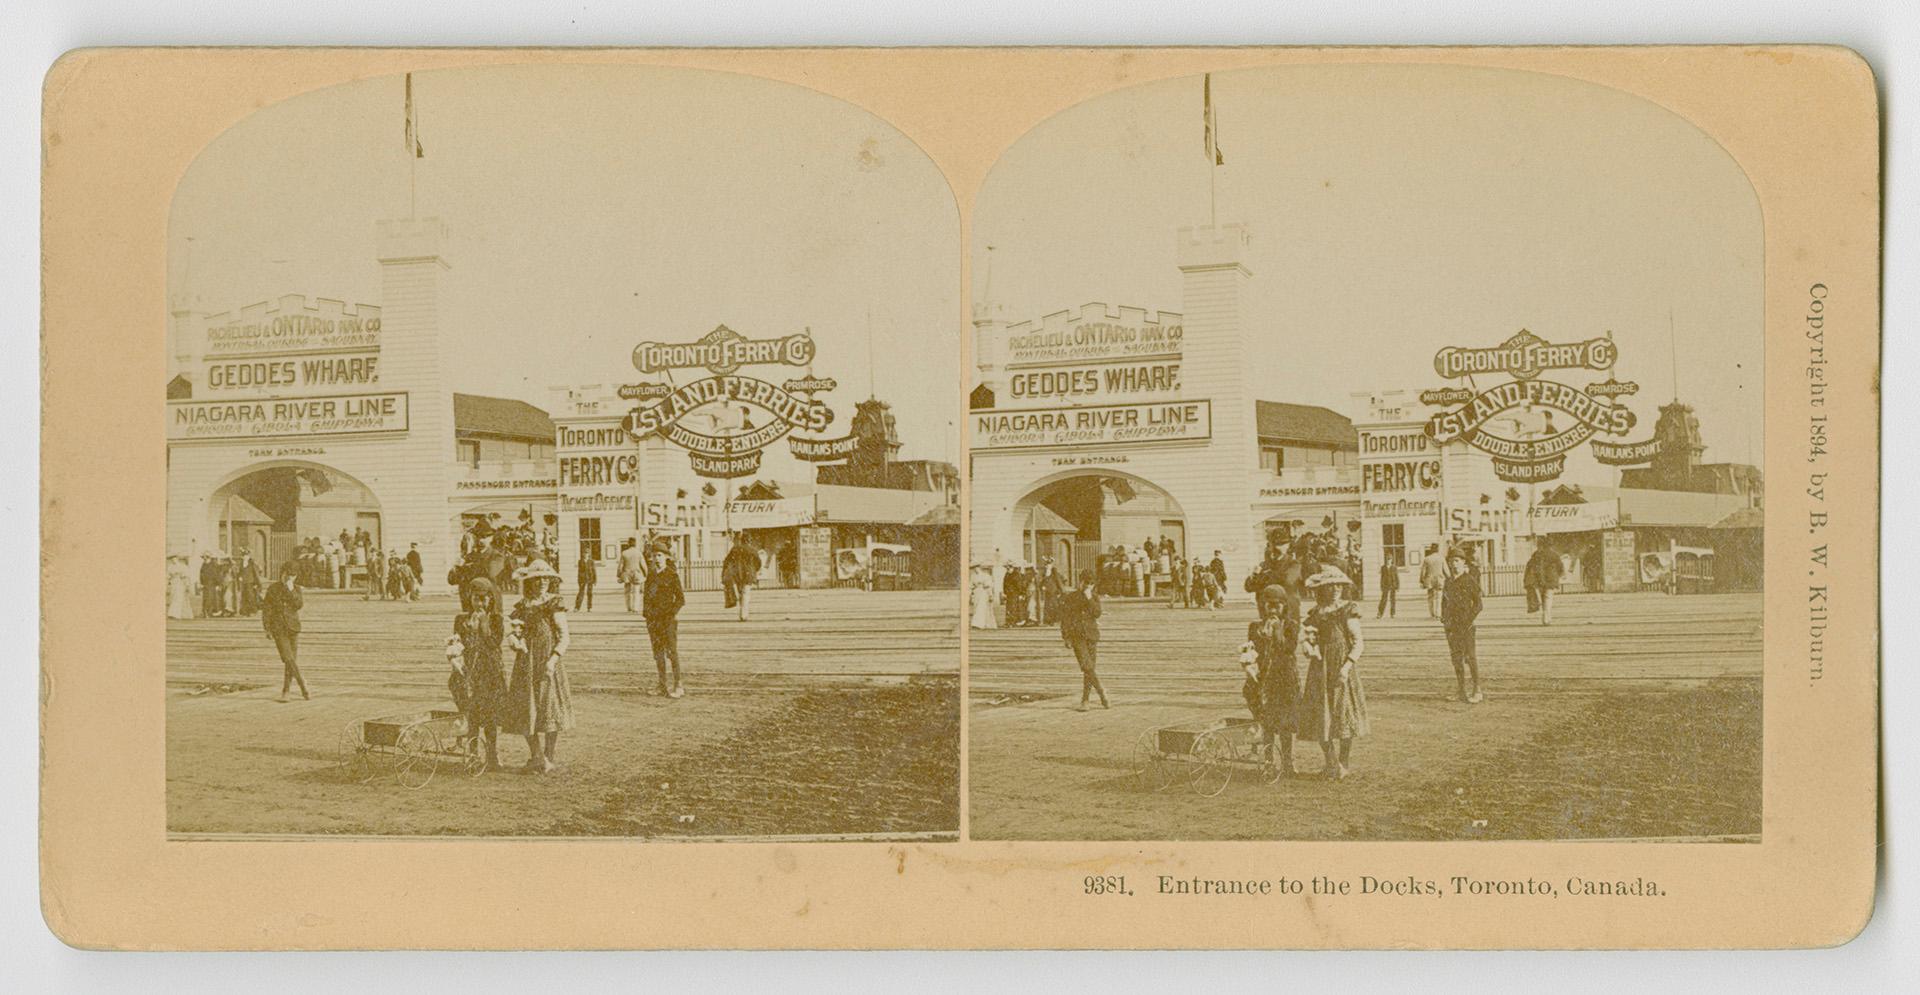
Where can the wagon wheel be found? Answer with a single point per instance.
(356, 762)
(419, 756)
(474, 761)
(1215, 764)
(1269, 757)
(1152, 771)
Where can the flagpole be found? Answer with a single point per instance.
(1213, 211)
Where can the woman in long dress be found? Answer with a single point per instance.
(179, 587)
(480, 629)
(1333, 708)
(982, 592)
(539, 700)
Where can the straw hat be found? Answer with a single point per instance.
(1327, 575)
(538, 568)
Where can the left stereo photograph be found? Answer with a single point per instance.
(530, 473)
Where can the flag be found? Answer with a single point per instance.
(1212, 127)
(413, 128)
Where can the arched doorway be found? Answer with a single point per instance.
(1074, 518)
(272, 510)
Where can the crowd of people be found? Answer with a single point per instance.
(534, 699)
(232, 586)
(507, 667)
(1300, 658)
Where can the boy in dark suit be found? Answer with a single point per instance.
(1080, 629)
(281, 619)
(1459, 607)
(660, 606)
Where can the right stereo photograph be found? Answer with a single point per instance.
(1366, 453)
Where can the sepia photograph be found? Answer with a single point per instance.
(960, 498)
(1366, 453)
(563, 451)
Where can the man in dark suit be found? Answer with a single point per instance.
(586, 574)
(1541, 578)
(660, 605)
(281, 619)
(738, 572)
(1080, 630)
(1459, 607)
(1218, 567)
(210, 606)
(1389, 588)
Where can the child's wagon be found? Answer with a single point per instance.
(1205, 756)
(411, 747)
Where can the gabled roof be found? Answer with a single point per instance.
(1305, 423)
(474, 414)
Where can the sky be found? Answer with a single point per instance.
(590, 208)
(1397, 210)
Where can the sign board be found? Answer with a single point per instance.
(281, 375)
(293, 333)
(1594, 516)
(1285, 492)
(1105, 424)
(542, 484)
(345, 414)
(751, 413)
(598, 470)
(1093, 341)
(1528, 425)
(1084, 382)
(722, 351)
(594, 503)
(769, 514)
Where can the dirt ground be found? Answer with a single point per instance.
(636, 765)
(1641, 763)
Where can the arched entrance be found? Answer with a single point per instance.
(1075, 517)
(271, 510)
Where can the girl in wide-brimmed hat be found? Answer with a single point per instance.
(539, 701)
(1333, 707)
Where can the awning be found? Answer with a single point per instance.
(1045, 519)
(240, 512)
(946, 514)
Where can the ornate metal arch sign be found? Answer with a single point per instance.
(1539, 453)
(751, 413)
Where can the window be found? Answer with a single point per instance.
(469, 452)
(590, 536)
(1393, 544)
(1270, 460)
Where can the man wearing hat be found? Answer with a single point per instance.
(1459, 607)
(210, 604)
(738, 572)
(661, 604)
(281, 619)
(586, 574)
